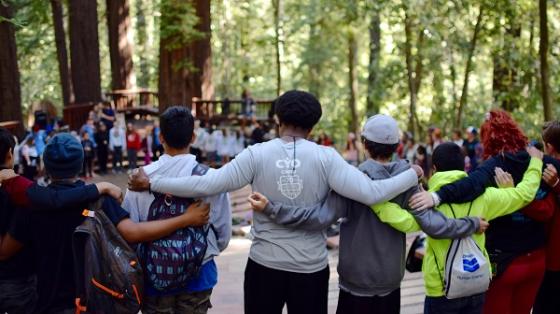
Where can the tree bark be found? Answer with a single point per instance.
(62, 52)
(179, 84)
(353, 80)
(372, 105)
(543, 52)
(468, 68)
(10, 89)
(120, 49)
(142, 72)
(84, 51)
(278, 43)
(414, 73)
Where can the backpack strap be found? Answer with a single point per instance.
(200, 170)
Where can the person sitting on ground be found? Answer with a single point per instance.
(363, 288)
(177, 125)
(286, 265)
(49, 232)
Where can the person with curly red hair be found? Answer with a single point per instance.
(515, 242)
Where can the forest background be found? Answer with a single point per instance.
(426, 62)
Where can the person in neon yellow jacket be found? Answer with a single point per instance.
(448, 163)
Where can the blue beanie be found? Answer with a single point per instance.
(63, 156)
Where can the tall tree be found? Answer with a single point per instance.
(468, 69)
(10, 90)
(414, 69)
(84, 51)
(352, 53)
(543, 51)
(120, 49)
(278, 12)
(185, 52)
(62, 52)
(372, 105)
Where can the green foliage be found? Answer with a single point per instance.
(315, 53)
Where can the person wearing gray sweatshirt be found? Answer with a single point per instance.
(372, 252)
(287, 266)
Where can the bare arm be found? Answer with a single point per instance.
(195, 215)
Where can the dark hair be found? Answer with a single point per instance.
(298, 109)
(377, 150)
(7, 143)
(458, 132)
(551, 134)
(448, 156)
(176, 125)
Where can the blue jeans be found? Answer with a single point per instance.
(18, 296)
(443, 305)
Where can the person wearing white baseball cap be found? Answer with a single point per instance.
(372, 248)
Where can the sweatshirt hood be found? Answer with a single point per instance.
(440, 179)
(378, 170)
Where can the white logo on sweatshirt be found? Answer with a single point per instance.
(289, 183)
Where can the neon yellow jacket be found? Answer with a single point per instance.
(492, 204)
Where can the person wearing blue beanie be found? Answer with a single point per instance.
(63, 157)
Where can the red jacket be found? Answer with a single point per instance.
(548, 210)
(133, 141)
(16, 189)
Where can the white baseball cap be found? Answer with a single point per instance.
(382, 129)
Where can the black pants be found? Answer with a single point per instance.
(465, 305)
(88, 166)
(102, 156)
(132, 158)
(548, 300)
(351, 304)
(267, 290)
(117, 158)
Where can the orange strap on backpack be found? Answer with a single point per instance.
(79, 307)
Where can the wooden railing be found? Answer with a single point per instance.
(226, 109)
(134, 100)
(15, 127)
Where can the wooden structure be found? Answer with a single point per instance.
(132, 101)
(217, 111)
(76, 115)
(14, 127)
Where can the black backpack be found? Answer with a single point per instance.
(107, 272)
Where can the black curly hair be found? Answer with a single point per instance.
(299, 109)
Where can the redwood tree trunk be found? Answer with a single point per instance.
(372, 106)
(120, 49)
(179, 84)
(84, 51)
(353, 81)
(543, 51)
(10, 90)
(62, 52)
(278, 43)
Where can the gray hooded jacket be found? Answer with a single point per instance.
(372, 253)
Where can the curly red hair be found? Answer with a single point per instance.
(501, 134)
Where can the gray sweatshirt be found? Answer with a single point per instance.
(372, 253)
(138, 203)
(299, 173)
